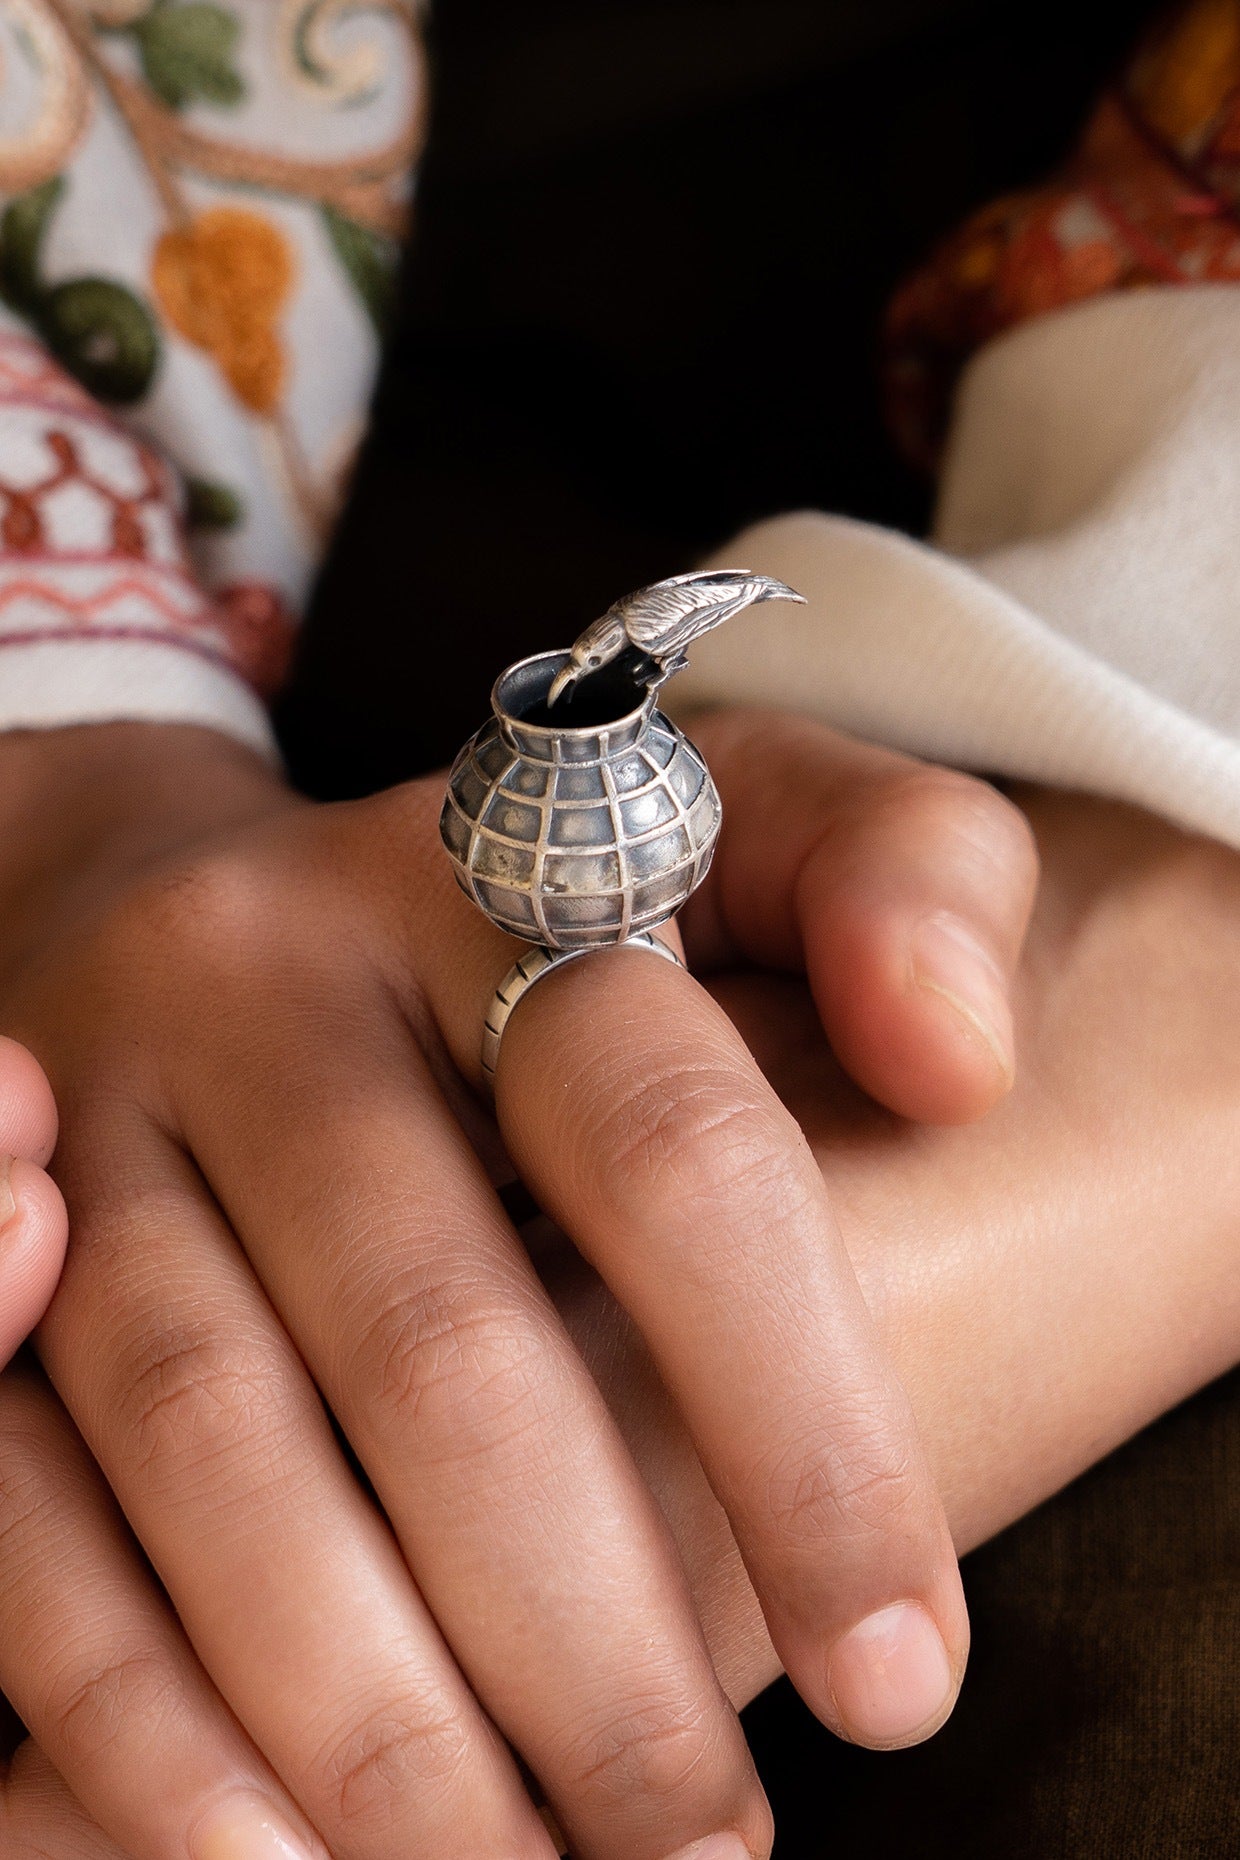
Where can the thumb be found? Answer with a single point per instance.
(902, 890)
(33, 1230)
(33, 1223)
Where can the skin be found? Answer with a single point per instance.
(33, 1226)
(261, 1020)
(1019, 1269)
(1052, 1278)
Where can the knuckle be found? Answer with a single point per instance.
(809, 1495)
(213, 911)
(27, 1501)
(692, 1135)
(191, 1395)
(1000, 829)
(133, 1690)
(217, 895)
(971, 815)
(402, 1754)
(452, 1361)
(395, 832)
(168, 943)
(658, 1753)
(394, 815)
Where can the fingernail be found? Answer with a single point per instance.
(8, 1201)
(951, 961)
(246, 1830)
(715, 1847)
(891, 1679)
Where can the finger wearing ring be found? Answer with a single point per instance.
(657, 1147)
(531, 968)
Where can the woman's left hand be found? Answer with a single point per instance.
(1018, 1269)
(824, 847)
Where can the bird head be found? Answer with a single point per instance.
(601, 642)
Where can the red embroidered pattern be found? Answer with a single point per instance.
(1151, 196)
(91, 539)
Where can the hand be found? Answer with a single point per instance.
(256, 1014)
(32, 1214)
(1049, 1280)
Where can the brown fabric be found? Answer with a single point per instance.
(1101, 1715)
(623, 205)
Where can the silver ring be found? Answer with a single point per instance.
(530, 969)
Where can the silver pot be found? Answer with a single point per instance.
(585, 830)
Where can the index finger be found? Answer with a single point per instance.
(640, 1121)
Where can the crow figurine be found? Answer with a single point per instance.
(658, 623)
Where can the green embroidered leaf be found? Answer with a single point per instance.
(104, 335)
(187, 52)
(370, 261)
(211, 506)
(22, 228)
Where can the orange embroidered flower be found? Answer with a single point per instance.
(222, 282)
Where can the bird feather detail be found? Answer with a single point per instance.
(661, 621)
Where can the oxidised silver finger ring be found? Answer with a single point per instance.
(579, 816)
(531, 968)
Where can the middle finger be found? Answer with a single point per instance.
(208, 1428)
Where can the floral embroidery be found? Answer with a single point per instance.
(40, 145)
(188, 51)
(222, 280)
(195, 192)
(1151, 196)
(101, 331)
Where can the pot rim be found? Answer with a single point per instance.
(580, 732)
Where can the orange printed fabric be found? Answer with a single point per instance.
(1150, 196)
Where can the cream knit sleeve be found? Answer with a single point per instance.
(1076, 619)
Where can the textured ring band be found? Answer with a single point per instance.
(530, 969)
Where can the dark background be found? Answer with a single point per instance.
(653, 243)
(652, 247)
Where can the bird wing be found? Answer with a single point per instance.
(679, 610)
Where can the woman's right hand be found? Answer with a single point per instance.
(262, 1021)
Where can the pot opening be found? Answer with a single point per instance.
(604, 697)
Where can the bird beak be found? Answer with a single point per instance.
(780, 591)
(562, 680)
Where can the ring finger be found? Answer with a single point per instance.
(658, 1146)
